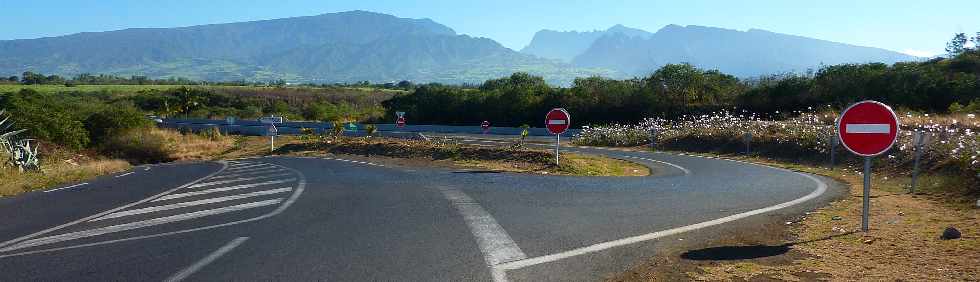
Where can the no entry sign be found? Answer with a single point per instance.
(557, 121)
(868, 128)
(400, 122)
(485, 126)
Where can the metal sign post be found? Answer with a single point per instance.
(919, 140)
(748, 142)
(833, 150)
(867, 129)
(272, 131)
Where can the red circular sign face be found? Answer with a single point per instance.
(868, 128)
(485, 124)
(400, 122)
(557, 121)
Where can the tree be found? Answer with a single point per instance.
(976, 41)
(957, 45)
(13, 78)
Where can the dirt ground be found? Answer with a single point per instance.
(827, 245)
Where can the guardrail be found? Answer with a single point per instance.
(253, 127)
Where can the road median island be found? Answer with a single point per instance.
(904, 241)
(450, 153)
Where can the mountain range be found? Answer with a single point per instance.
(359, 45)
(742, 53)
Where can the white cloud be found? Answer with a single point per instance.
(920, 53)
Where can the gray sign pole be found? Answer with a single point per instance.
(833, 150)
(918, 141)
(748, 142)
(557, 144)
(865, 212)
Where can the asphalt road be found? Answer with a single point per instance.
(301, 219)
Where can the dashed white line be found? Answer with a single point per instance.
(124, 174)
(183, 274)
(251, 173)
(137, 225)
(69, 187)
(193, 203)
(222, 189)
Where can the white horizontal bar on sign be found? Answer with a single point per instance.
(868, 128)
(556, 121)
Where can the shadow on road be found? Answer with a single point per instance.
(748, 252)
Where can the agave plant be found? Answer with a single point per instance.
(19, 153)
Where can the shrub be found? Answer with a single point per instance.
(138, 146)
(114, 120)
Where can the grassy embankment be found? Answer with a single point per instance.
(904, 241)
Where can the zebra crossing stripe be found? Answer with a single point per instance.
(212, 183)
(192, 203)
(222, 189)
(136, 225)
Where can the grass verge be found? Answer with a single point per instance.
(63, 169)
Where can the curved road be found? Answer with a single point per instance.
(289, 218)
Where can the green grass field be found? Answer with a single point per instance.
(121, 89)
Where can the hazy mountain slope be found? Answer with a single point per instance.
(751, 53)
(566, 45)
(345, 46)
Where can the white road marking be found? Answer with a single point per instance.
(871, 128)
(494, 242)
(237, 168)
(212, 183)
(300, 187)
(686, 171)
(183, 274)
(136, 225)
(42, 232)
(124, 174)
(821, 188)
(222, 189)
(193, 203)
(69, 187)
(250, 173)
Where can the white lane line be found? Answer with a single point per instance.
(137, 225)
(222, 189)
(251, 173)
(686, 171)
(192, 203)
(146, 169)
(821, 188)
(69, 187)
(300, 187)
(212, 183)
(183, 274)
(124, 174)
(42, 232)
(494, 242)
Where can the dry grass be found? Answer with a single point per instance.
(55, 173)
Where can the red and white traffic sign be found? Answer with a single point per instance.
(557, 121)
(868, 128)
(485, 126)
(400, 122)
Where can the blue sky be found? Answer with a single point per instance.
(917, 27)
